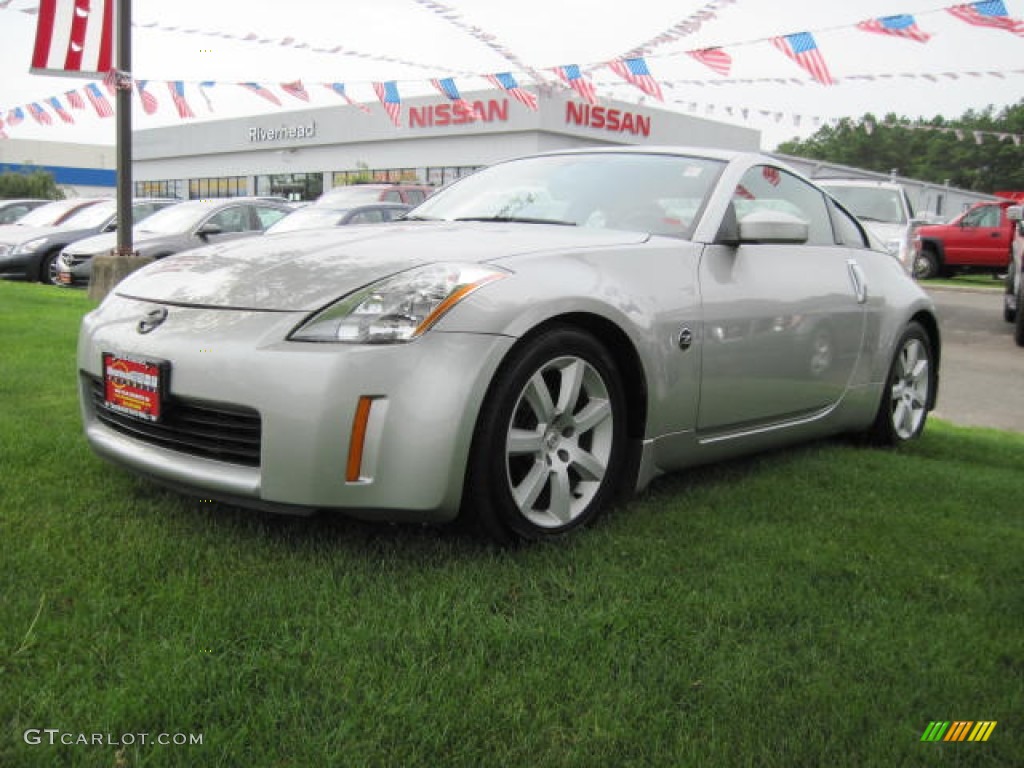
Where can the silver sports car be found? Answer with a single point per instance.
(532, 341)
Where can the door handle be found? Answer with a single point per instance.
(859, 280)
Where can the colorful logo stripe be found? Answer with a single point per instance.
(959, 730)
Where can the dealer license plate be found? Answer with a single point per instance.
(133, 386)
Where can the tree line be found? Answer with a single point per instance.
(37, 184)
(965, 152)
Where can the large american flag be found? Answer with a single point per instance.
(715, 58)
(575, 79)
(296, 89)
(902, 25)
(507, 82)
(98, 100)
(74, 37)
(388, 94)
(149, 102)
(635, 72)
(989, 13)
(59, 110)
(177, 89)
(259, 90)
(802, 49)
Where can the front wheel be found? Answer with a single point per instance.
(1018, 328)
(549, 450)
(926, 264)
(908, 390)
(49, 270)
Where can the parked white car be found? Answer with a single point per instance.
(885, 210)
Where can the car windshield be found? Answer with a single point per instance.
(48, 215)
(177, 218)
(655, 193)
(90, 216)
(870, 203)
(308, 218)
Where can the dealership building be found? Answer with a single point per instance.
(300, 154)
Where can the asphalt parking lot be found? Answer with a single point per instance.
(982, 368)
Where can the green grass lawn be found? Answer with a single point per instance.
(983, 282)
(813, 607)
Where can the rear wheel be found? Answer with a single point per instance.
(549, 450)
(908, 390)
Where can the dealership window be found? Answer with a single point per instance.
(293, 186)
(224, 186)
(166, 188)
(378, 176)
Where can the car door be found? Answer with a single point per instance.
(783, 322)
(979, 240)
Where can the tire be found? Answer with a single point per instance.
(1010, 312)
(1018, 327)
(549, 449)
(909, 390)
(926, 264)
(48, 268)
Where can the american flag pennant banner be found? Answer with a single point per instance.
(507, 82)
(149, 102)
(990, 13)
(447, 87)
(295, 89)
(74, 37)
(388, 94)
(716, 59)
(75, 99)
(39, 114)
(635, 72)
(177, 89)
(260, 90)
(203, 86)
(339, 88)
(902, 25)
(15, 117)
(59, 110)
(575, 79)
(98, 100)
(802, 49)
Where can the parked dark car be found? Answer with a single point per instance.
(355, 194)
(314, 216)
(12, 210)
(182, 226)
(35, 254)
(21, 243)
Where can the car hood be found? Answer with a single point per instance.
(886, 231)
(13, 234)
(304, 270)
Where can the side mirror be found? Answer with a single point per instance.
(773, 227)
(1015, 213)
(208, 229)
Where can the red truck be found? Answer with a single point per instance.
(978, 240)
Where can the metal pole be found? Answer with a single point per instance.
(123, 103)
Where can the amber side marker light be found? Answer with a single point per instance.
(357, 440)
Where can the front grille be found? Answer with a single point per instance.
(218, 431)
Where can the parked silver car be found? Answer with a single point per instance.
(182, 226)
(885, 209)
(543, 335)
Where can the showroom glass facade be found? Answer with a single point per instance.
(296, 186)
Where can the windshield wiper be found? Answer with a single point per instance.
(518, 220)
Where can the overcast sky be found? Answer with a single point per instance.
(412, 41)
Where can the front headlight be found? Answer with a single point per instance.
(396, 309)
(30, 246)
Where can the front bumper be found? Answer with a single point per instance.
(425, 396)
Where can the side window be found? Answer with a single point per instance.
(848, 231)
(985, 216)
(268, 216)
(372, 216)
(392, 196)
(766, 188)
(234, 219)
(415, 196)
